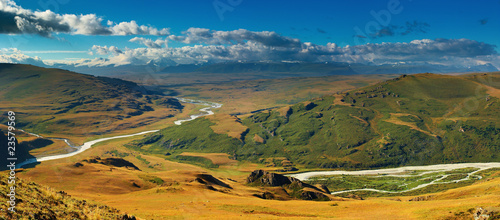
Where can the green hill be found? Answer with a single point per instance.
(54, 101)
(410, 120)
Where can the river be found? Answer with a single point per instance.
(87, 145)
(399, 172)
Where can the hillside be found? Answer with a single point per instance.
(55, 102)
(40, 202)
(410, 120)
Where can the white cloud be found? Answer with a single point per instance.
(15, 56)
(17, 20)
(105, 50)
(447, 51)
(240, 36)
(159, 43)
(244, 45)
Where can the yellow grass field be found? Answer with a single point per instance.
(227, 124)
(181, 197)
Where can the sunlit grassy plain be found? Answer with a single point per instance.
(180, 197)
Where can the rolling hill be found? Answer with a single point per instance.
(60, 102)
(35, 201)
(410, 120)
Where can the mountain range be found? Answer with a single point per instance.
(280, 69)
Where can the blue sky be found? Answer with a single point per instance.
(385, 23)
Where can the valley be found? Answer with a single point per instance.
(365, 144)
(227, 109)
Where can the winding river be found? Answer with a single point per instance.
(87, 145)
(398, 172)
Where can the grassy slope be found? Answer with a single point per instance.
(180, 197)
(242, 93)
(417, 119)
(59, 102)
(34, 201)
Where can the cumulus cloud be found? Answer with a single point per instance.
(159, 43)
(105, 50)
(240, 36)
(426, 50)
(244, 45)
(16, 20)
(13, 55)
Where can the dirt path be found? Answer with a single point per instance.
(395, 120)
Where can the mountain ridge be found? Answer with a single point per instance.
(56, 101)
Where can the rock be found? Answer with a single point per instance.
(486, 213)
(268, 179)
(313, 195)
(78, 164)
(292, 186)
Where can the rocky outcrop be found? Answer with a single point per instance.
(486, 213)
(270, 179)
(292, 186)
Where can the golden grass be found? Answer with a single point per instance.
(58, 147)
(283, 110)
(227, 124)
(258, 139)
(337, 99)
(179, 197)
(189, 200)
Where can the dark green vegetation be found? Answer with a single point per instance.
(411, 120)
(56, 101)
(153, 179)
(34, 201)
(196, 135)
(199, 161)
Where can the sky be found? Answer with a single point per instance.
(115, 33)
